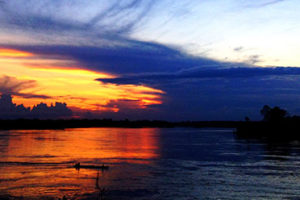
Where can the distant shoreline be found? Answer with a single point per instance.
(287, 130)
(35, 124)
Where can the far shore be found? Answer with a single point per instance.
(36, 124)
(288, 129)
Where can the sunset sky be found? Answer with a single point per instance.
(152, 59)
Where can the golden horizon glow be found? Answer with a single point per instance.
(73, 85)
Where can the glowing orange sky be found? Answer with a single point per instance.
(14, 53)
(74, 85)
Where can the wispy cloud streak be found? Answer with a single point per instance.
(119, 18)
(13, 86)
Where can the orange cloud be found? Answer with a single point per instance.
(12, 53)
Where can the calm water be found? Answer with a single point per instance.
(146, 164)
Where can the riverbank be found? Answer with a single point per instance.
(277, 130)
(25, 124)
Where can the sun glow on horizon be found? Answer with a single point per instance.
(75, 86)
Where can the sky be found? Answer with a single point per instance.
(150, 59)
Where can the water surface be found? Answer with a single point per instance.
(145, 163)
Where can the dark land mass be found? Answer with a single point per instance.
(276, 131)
(288, 129)
(26, 124)
(276, 125)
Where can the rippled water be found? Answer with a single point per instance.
(146, 163)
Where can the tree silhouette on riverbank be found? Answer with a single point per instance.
(9, 110)
(273, 114)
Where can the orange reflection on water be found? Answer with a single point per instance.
(21, 173)
(83, 144)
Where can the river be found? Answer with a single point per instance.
(145, 164)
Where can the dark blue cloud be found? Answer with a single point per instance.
(135, 57)
(206, 73)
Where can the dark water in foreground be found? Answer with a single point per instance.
(146, 164)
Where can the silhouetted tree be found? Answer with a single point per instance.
(273, 114)
(265, 112)
(9, 110)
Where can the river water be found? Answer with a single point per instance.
(145, 164)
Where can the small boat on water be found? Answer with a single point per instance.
(102, 167)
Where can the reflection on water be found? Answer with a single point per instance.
(145, 164)
(39, 163)
(80, 144)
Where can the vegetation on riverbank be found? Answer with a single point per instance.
(86, 123)
(276, 125)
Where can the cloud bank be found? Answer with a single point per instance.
(200, 73)
(9, 110)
